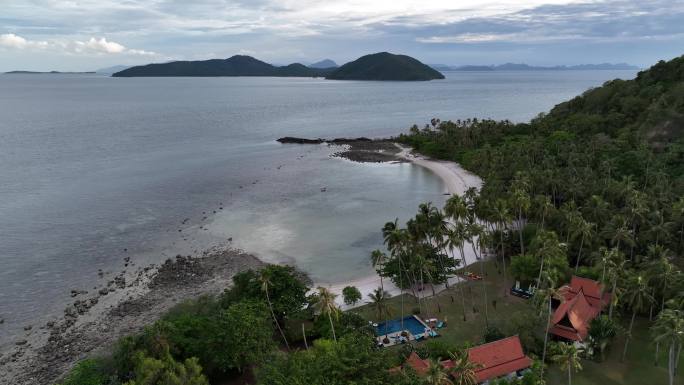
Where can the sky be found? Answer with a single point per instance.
(81, 35)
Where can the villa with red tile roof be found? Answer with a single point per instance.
(582, 301)
(502, 358)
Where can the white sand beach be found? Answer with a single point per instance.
(456, 180)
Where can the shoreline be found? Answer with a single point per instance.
(131, 300)
(456, 180)
(92, 324)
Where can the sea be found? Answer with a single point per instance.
(97, 171)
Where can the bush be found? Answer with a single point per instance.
(92, 371)
(351, 295)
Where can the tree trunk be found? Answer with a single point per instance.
(546, 340)
(306, 345)
(520, 232)
(671, 363)
(569, 374)
(579, 254)
(610, 309)
(629, 336)
(503, 260)
(332, 326)
(270, 306)
(460, 286)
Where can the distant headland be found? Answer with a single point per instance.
(378, 66)
(527, 67)
(46, 73)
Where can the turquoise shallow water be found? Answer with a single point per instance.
(95, 169)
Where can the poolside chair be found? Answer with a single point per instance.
(440, 325)
(418, 337)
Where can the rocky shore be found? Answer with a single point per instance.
(127, 303)
(356, 149)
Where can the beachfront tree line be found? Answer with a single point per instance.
(269, 328)
(594, 188)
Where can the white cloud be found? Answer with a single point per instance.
(10, 40)
(92, 46)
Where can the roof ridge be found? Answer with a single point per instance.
(499, 340)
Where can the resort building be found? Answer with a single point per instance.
(502, 358)
(582, 301)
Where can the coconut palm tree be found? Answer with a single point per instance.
(616, 268)
(568, 357)
(546, 296)
(379, 304)
(456, 238)
(601, 331)
(265, 280)
(502, 215)
(669, 329)
(437, 374)
(584, 230)
(638, 298)
(378, 259)
(463, 370)
(326, 306)
(521, 202)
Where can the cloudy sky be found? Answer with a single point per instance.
(89, 34)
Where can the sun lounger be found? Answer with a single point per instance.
(440, 325)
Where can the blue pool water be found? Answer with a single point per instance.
(410, 323)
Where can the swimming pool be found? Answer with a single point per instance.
(410, 323)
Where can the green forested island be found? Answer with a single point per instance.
(592, 191)
(385, 66)
(238, 65)
(380, 66)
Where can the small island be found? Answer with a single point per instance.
(379, 66)
(385, 66)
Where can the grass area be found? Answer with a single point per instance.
(499, 307)
(638, 369)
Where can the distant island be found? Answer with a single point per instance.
(385, 66)
(527, 67)
(379, 66)
(325, 63)
(46, 73)
(112, 69)
(238, 65)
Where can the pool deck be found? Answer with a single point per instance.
(394, 337)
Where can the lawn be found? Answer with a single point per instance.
(638, 369)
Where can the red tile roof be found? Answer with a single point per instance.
(499, 358)
(418, 364)
(592, 291)
(581, 305)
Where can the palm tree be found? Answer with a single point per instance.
(521, 201)
(638, 297)
(379, 304)
(568, 356)
(326, 305)
(378, 259)
(464, 370)
(601, 331)
(616, 267)
(502, 215)
(437, 374)
(548, 295)
(583, 229)
(544, 206)
(456, 239)
(265, 280)
(669, 328)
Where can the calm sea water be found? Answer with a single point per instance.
(95, 169)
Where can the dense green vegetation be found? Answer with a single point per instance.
(593, 188)
(385, 66)
(238, 65)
